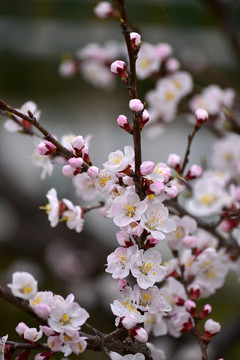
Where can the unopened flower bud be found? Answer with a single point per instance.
(105, 10)
(189, 241)
(194, 291)
(119, 67)
(123, 122)
(144, 118)
(174, 161)
(206, 310)
(201, 117)
(211, 328)
(75, 162)
(78, 144)
(135, 39)
(128, 322)
(46, 148)
(194, 172)
(68, 171)
(140, 334)
(171, 191)
(122, 283)
(157, 187)
(136, 105)
(21, 328)
(179, 301)
(191, 307)
(44, 356)
(228, 225)
(151, 242)
(172, 65)
(146, 168)
(123, 239)
(85, 155)
(93, 172)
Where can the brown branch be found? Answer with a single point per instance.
(17, 345)
(32, 120)
(186, 157)
(201, 343)
(132, 88)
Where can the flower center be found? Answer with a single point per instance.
(65, 320)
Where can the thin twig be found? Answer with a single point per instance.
(32, 119)
(186, 157)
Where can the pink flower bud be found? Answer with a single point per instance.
(201, 117)
(171, 191)
(119, 67)
(105, 10)
(191, 307)
(211, 328)
(228, 224)
(172, 65)
(75, 162)
(163, 50)
(194, 172)
(122, 283)
(135, 39)
(151, 242)
(68, 171)
(93, 172)
(123, 239)
(42, 310)
(189, 241)
(128, 322)
(78, 144)
(140, 334)
(68, 68)
(174, 161)
(136, 105)
(46, 148)
(206, 310)
(21, 328)
(157, 187)
(85, 156)
(144, 118)
(194, 291)
(124, 123)
(146, 168)
(179, 301)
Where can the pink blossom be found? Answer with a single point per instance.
(201, 117)
(140, 334)
(119, 67)
(146, 168)
(135, 39)
(46, 148)
(124, 123)
(93, 172)
(174, 161)
(136, 105)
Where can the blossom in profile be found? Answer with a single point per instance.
(23, 285)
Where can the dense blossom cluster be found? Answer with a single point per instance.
(149, 202)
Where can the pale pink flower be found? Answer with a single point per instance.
(85, 187)
(155, 220)
(136, 105)
(127, 209)
(147, 269)
(117, 161)
(23, 285)
(148, 61)
(135, 39)
(120, 261)
(67, 315)
(212, 326)
(73, 216)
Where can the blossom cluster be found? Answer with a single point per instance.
(64, 317)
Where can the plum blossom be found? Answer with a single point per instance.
(117, 161)
(85, 187)
(105, 180)
(184, 226)
(73, 216)
(127, 209)
(120, 261)
(44, 162)
(156, 221)
(23, 285)
(42, 303)
(147, 269)
(67, 315)
(72, 342)
(148, 61)
(52, 208)
(126, 306)
(12, 126)
(151, 300)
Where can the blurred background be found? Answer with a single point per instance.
(35, 35)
